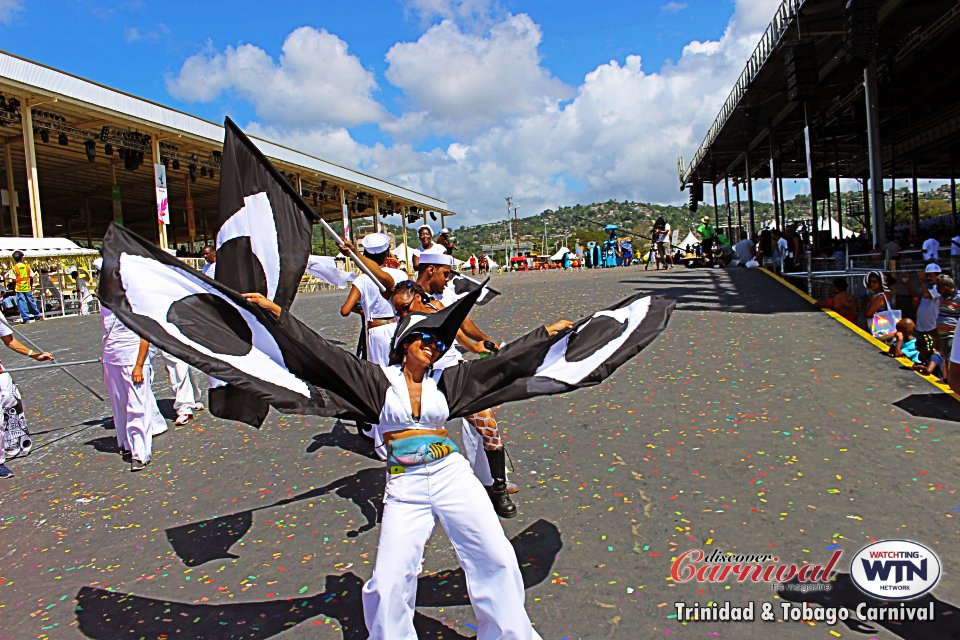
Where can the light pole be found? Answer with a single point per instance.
(509, 231)
(544, 237)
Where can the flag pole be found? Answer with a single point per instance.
(56, 364)
(34, 345)
(363, 267)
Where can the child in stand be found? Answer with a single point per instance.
(931, 362)
(903, 342)
(841, 301)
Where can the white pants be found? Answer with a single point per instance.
(473, 451)
(379, 340)
(136, 416)
(12, 424)
(448, 490)
(181, 383)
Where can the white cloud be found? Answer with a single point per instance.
(463, 82)
(471, 13)
(504, 124)
(9, 9)
(315, 80)
(673, 7)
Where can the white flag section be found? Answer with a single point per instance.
(254, 220)
(570, 362)
(250, 348)
(325, 268)
(460, 285)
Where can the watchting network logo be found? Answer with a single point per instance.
(895, 570)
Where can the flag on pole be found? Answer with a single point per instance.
(461, 285)
(264, 237)
(325, 268)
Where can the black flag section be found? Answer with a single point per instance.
(215, 330)
(263, 243)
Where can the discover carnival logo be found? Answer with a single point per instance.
(889, 570)
(895, 569)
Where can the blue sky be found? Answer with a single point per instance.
(551, 101)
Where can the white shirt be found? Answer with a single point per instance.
(955, 246)
(744, 250)
(209, 269)
(434, 248)
(931, 249)
(121, 346)
(782, 246)
(372, 302)
(928, 310)
(397, 413)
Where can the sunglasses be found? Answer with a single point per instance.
(437, 341)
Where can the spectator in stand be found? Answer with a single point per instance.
(782, 249)
(929, 301)
(765, 249)
(931, 249)
(841, 301)
(891, 253)
(875, 296)
(949, 311)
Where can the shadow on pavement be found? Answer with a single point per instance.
(945, 623)
(199, 542)
(936, 405)
(734, 290)
(106, 615)
(341, 437)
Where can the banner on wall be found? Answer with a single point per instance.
(191, 219)
(117, 205)
(163, 205)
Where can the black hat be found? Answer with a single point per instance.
(444, 323)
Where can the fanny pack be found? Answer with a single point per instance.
(416, 447)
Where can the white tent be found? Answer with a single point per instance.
(43, 248)
(400, 253)
(559, 254)
(836, 231)
(690, 239)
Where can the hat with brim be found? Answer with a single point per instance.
(444, 232)
(933, 267)
(374, 243)
(705, 219)
(436, 258)
(444, 323)
(424, 226)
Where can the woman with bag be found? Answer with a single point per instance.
(882, 318)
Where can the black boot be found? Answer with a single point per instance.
(498, 490)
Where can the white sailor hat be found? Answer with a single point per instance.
(375, 243)
(424, 226)
(444, 232)
(436, 258)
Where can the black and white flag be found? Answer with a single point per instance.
(214, 329)
(538, 364)
(264, 236)
(462, 285)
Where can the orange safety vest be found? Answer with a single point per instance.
(23, 276)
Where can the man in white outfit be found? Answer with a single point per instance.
(128, 376)
(379, 318)
(185, 391)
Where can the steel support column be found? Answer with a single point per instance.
(753, 226)
(155, 154)
(915, 200)
(716, 209)
(873, 149)
(726, 205)
(773, 184)
(736, 238)
(11, 190)
(33, 179)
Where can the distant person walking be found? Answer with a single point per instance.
(209, 253)
(22, 276)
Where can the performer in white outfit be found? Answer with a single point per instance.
(376, 309)
(14, 423)
(427, 478)
(185, 391)
(479, 430)
(128, 376)
(377, 314)
(427, 245)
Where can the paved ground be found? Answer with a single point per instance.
(755, 424)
